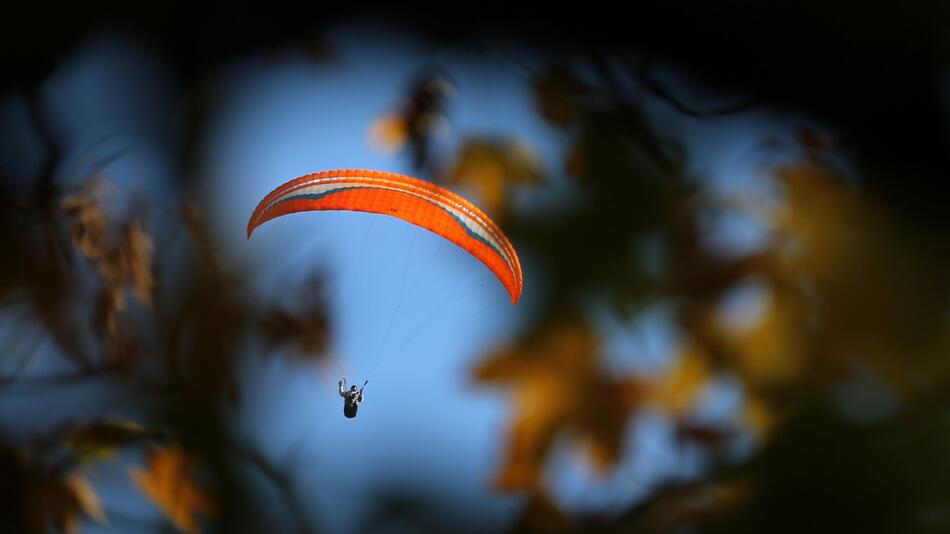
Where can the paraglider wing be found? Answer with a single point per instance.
(421, 203)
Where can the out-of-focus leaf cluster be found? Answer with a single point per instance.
(168, 482)
(177, 352)
(417, 120)
(490, 168)
(46, 483)
(845, 285)
(560, 390)
(121, 252)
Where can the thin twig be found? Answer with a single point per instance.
(662, 91)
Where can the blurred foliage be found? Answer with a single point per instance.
(168, 482)
(853, 276)
(414, 123)
(46, 484)
(491, 168)
(558, 388)
(121, 252)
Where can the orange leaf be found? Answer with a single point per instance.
(389, 133)
(87, 498)
(676, 391)
(559, 389)
(62, 502)
(168, 482)
(491, 166)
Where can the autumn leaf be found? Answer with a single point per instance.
(85, 211)
(138, 258)
(775, 352)
(121, 252)
(389, 132)
(758, 417)
(872, 289)
(415, 121)
(676, 391)
(491, 166)
(101, 438)
(168, 480)
(129, 262)
(559, 389)
(87, 499)
(64, 502)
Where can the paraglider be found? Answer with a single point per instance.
(418, 202)
(415, 201)
(351, 398)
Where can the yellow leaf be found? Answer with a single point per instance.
(758, 417)
(676, 391)
(558, 390)
(168, 482)
(853, 282)
(389, 133)
(491, 166)
(87, 222)
(122, 253)
(63, 501)
(775, 352)
(87, 498)
(139, 262)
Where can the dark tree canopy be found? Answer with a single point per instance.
(853, 273)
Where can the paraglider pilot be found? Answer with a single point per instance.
(351, 398)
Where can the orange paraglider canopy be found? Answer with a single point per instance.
(421, 203)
